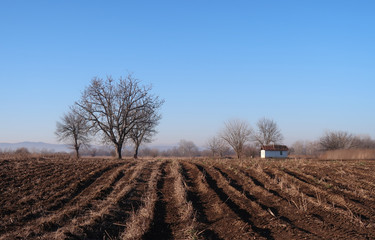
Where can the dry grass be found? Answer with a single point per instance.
(186, 210)
(48, 184)
(59, 199)
(103, 207)
(26, 156)
(354, 154)
(301, 203)
(139, 221)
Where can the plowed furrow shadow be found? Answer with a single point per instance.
(61, 202)
(44, 204)
(243, 214)
(52, 220)
(110, 224)
(86, 183)
(80, 187)
(102, 195)
(339, 186)
(296, 175)
(259, 184)
(300, 221)
(235, 185)
(160, 229)
(106, 191)
(334, 222)
(360, 210)
(210, 235)
(115, 213)
(272, 210)
(194, 198)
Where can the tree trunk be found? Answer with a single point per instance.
(136, 151)
(76, 148)
(119, 151)
(238, 153)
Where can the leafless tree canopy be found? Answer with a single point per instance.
(187, 148)
(268, 132)
(236, 133)
(143, 132)
(250, 150)
(333, 140)
(117, 107)
(311, 148)
(74, 130)
(364, 142)
(217, 146)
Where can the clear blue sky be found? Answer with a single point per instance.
(309, 65)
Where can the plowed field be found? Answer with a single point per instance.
(187, 199)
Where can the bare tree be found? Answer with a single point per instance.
(217, 146)
(332, 140)
(142, 132)
(364, 142)
(187, 148)
(236, 133)
(74, 130)
(312, 148)
(250, 150)
(267, 132)
(298, 148)
(116, 107)
(150, 152)
(23, 152)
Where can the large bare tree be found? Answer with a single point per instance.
(143, 132)
(116, 107)
(73, 130)
(332, 140)
(236, 133)
(267, 132)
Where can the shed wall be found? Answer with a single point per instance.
(273, 154)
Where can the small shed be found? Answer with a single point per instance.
(274, 151)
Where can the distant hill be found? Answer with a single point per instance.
(35, 147)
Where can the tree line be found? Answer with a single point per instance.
(332, 140)
(240, 137)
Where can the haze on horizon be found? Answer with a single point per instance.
(307, 65)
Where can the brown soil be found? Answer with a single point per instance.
(259, 199)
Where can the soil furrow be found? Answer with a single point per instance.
(280, 222)
(342, 200)
(199, 207)
(43, 209)
(161, 224)
(140, 221)
(337, 186)
(194, 197)
(223, 211)
(284, 207)
(242, 213)
(321, 214)
(52, 220)
(107, 216)
(211, 213)
(110, 199)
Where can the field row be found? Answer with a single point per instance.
(187, 199)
